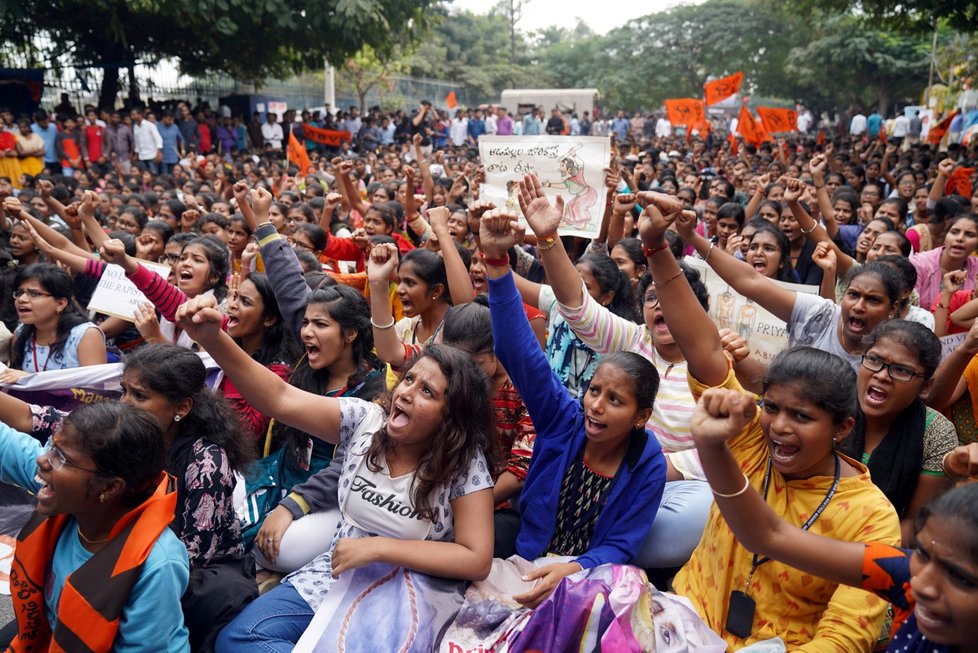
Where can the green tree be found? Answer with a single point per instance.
(850, 62)
(251, 40)
(365, 72)
(913, 15)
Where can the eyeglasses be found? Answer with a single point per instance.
(295, 244)
(651, 300)
(897, 372)
(57, 460)
(33, 294)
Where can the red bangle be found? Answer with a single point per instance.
(647, 252)
(501, 262)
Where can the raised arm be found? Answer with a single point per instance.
(380, 268)
(944, 170)
(351, 193)
(742, 277)
(261, 387)
(817, 167)
(694, 331)
(721, 415)
(459, 283)
(755, 201)
(86, 211)
(794, 189)
(427, 183)
(77, 264)
(544, 220)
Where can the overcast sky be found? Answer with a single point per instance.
(538, 14)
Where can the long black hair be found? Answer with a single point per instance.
(59, 285)
(613, 280)
(280, 344)
(462, 433)
(179, 374)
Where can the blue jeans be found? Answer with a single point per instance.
(149, 164)
(678, 525)
(272, 623)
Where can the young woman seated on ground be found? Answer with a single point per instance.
(809, 404)
(933, 585)
(597, 475)
(429, 456)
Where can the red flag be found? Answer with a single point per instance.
(937, 132)
(720, 89)
(734, 145)
(322, 136)
(450, 100)
(752, 132)
(778, 121)
(821, 137)
(689, 112)
(298, 155)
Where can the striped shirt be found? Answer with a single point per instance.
(605, 332)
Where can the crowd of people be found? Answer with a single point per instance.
(414, 377)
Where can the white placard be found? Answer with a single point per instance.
(570, 166)
(116, 295)
(951, 342)
(765, 334)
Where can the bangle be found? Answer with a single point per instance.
(548, 243)
(383, 327)
(817, 187)
(706, 259)
(501, 262)
(663, 284)
(813, 228)
(648, 252)
(735, 494)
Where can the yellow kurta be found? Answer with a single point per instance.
(810, 614)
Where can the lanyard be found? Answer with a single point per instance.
(34, 355)
(756, 561)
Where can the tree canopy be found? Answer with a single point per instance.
(248, 39)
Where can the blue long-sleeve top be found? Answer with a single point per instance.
(634, 499)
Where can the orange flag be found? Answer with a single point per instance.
(752, 132)
(450, 100)
(734, 145)
(687, 111)
(959, 182)
(778, 120)
(298, 155)
(720, 89)
(821, 137)
(937, 132)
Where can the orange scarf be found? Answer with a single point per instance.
(95, 594)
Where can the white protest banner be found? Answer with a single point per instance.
(765, 334)
(116, 295)
(951, 342)
(571, 166)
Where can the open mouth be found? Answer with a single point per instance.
(593, 427)
(783, 453)
(659, 324)
(875, 396)
(856, 325)
(312, 352)
(232, 322)
(929, 619)
(760, 266)
(44, 491)
(398, 419)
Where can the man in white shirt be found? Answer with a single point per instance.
(271, 133)
(147, 143)
(663, 128)
(490, 121)
(857, 126)
(458, 131)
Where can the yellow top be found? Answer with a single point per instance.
(810, 614)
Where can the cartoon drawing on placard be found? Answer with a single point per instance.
(577, 211)
(725, 309)
(745, 320)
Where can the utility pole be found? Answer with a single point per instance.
(930, 74)
(514, 16)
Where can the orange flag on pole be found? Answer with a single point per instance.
(937, 132)
(720, 89)
(298, 156)
(687, 111)
(752, 132)
(450, 100)
(777, 121)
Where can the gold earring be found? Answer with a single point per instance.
(101, 498)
